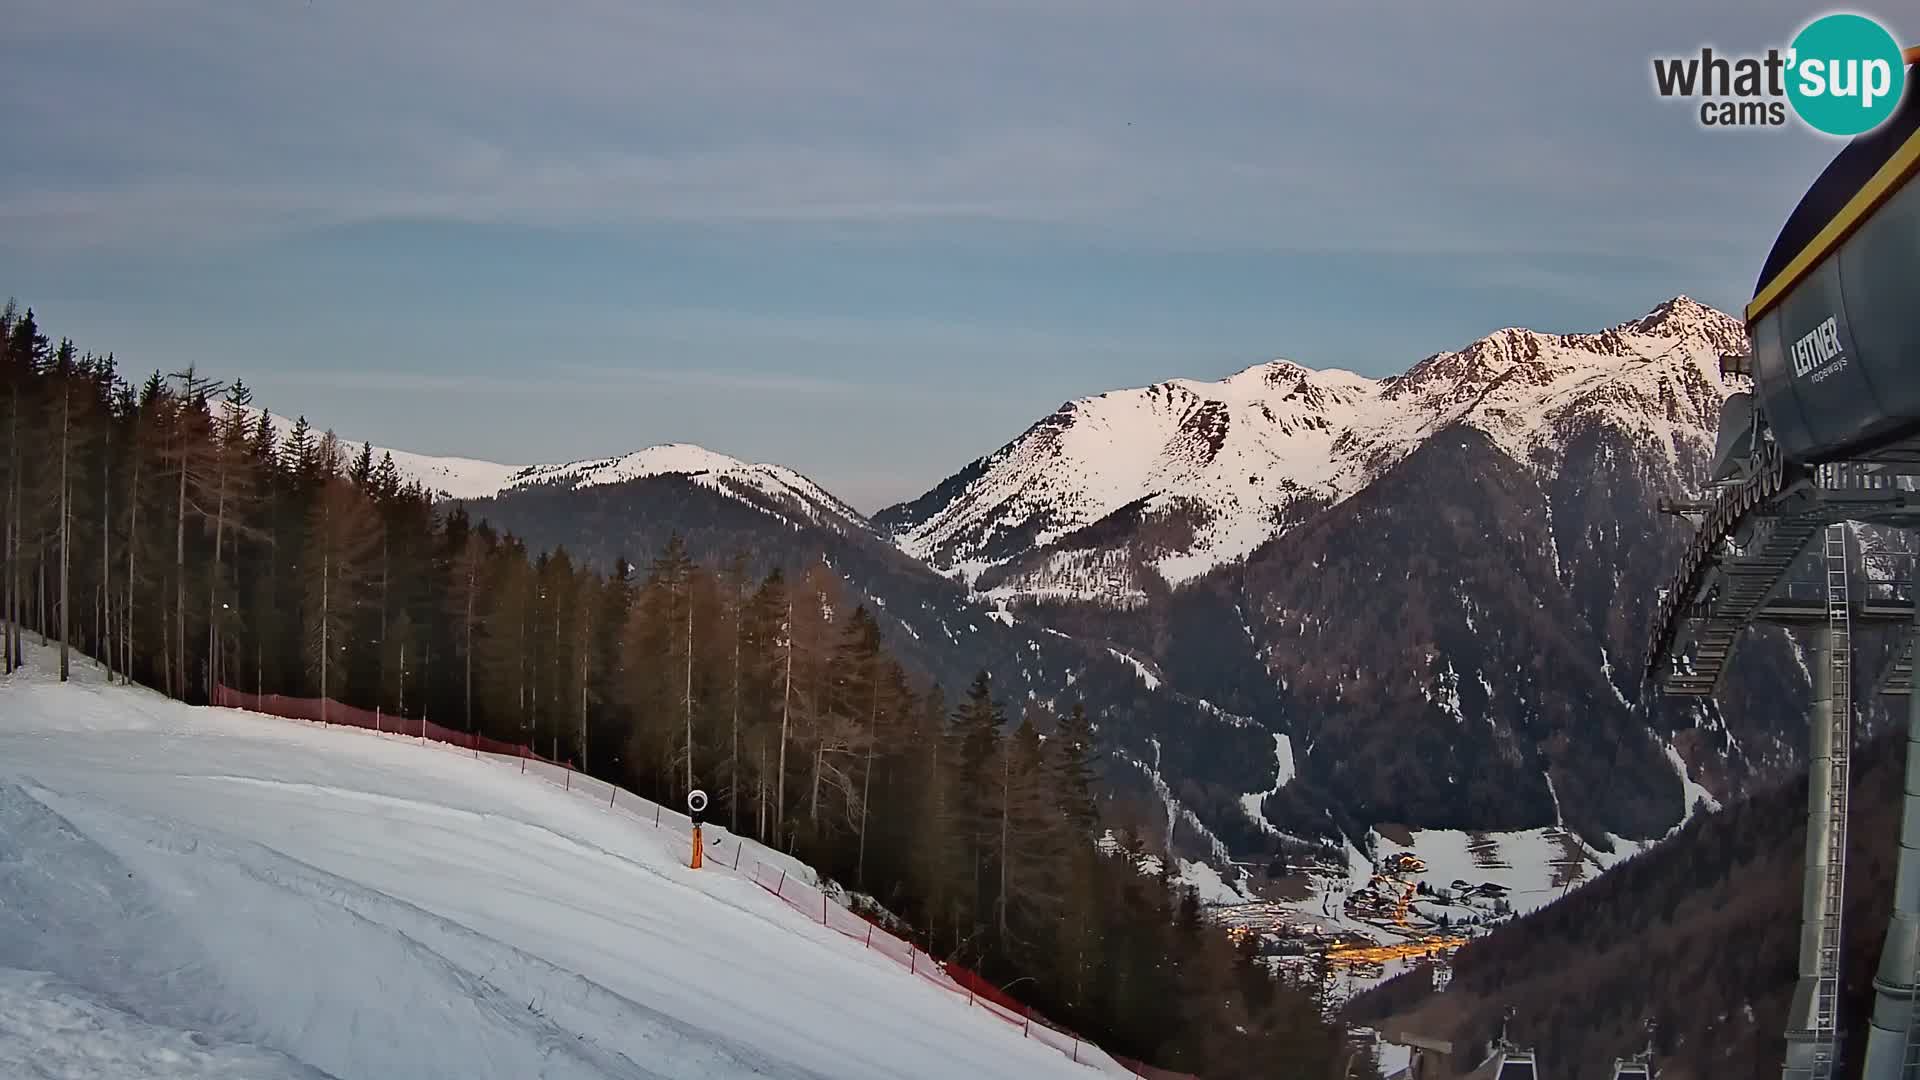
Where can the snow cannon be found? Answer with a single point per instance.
(1833, 324)
(696, 805)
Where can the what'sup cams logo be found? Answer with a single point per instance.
(1842, 75)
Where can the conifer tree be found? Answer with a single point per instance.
(976, 728)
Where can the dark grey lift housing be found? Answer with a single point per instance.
(1835, 318)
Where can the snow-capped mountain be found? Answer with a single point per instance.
(1428, 582)
(773, 489)
(1180, 477)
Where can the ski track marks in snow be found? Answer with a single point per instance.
(49, 1028)
(280, 900)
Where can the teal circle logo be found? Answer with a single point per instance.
(1845, 75)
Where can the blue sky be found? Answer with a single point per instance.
(871, 240)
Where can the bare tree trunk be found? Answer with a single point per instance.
(733, 756)
(105, 635)
(6, 581)
(213, 579)
(6, 547)
(689, 588)
(866, 790)
(180, 566)
(10, 543)
(383, 619)
(526, 724)
(1006, 799)
(16, 598)
(866, 781)
(326, 581)
(583, 704)
(133, 532)
(813, 797)
(760, 829)
(66, 527)
(473, 571)
(19, 542)
(786, 708)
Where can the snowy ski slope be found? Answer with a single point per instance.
(210, 893)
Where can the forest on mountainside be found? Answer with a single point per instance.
(164, 529)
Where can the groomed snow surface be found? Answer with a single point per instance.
(210, 893)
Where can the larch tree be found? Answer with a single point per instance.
(64, 375)
(231, 495)
(343, 534)
(193, 457)
(735, 582)
(469, 562)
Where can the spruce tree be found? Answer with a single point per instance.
(976, 732)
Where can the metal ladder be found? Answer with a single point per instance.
(1840, 661)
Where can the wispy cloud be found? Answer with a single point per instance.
(1237, 124)
(570, 381)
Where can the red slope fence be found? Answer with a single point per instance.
(328, 711)
(809, 900)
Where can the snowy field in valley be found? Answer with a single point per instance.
(209, 893)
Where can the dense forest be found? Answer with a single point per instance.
(167, 529)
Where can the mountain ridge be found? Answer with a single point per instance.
(463, 479)
(1218, 466)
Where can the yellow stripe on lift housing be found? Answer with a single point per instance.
(1891, 177)
(1876, 191)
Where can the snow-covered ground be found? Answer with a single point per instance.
(1149, 678)
(210, 893)
(1284, 772)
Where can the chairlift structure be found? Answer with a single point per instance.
(1829, 434)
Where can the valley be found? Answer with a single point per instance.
(1322, 619)
(1213, 559)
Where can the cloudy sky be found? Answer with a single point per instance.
(870, 239)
